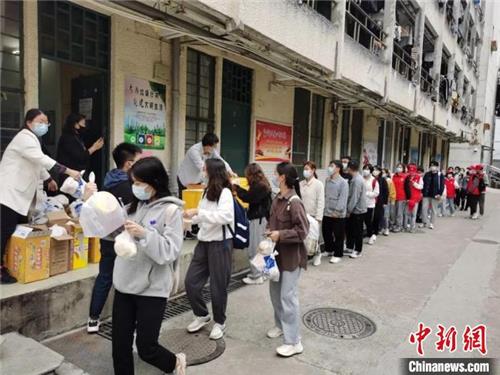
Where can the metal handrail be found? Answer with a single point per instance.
(367, 26)
(402, 62)
(426, 81)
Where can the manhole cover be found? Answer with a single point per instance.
(339, 323)
(197, 346)
(486, 242)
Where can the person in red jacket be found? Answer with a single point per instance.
(475, 186)
(398, 180)
(451, 185)
(413, 190)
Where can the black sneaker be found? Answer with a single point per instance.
(6, 277)
(190, 236)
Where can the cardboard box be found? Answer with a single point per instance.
(60, 251)
(94, 250)
(80, 250)
(28, 253)
(58, 217)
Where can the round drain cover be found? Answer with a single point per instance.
(486, 242)
(339, 323)
(197, 346)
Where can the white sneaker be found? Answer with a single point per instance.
(317, 260)
(355, 254)
(422, 225)
(372, 239)
(335, 260)
(431, 226)
(386, 232)
(249, 281)
(93, 326)
(475, 217)
(274, 333)
(289, 350)
(198, 323)
(217, 331)
(181, 364)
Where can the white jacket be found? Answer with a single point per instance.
(372, 191)
(22, 167)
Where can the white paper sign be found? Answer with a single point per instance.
(22, 231)
(85, 108)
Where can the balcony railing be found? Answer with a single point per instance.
(402, 62)
(363, 29)
(426, 82)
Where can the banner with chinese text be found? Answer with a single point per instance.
(273, 142)
(145, 113)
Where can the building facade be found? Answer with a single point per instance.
(383, 82)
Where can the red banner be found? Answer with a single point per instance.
(273, 142)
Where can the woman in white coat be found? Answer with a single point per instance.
(22, 166)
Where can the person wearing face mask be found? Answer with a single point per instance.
(213, 254)
(258, 196)
(413, 189)
(345, 168)
(118, 183)
(22, 167)
(372, 193)
(451, 193)
(381, 202)
(313, 197)
(333, 228)
(400, 208)
(475, 186)
(391, 201)
(432, 192)
(71, 148)
(143, 282)
(356, 211)
(288, 228)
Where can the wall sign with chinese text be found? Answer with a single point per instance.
(145, 113)
(273, 142)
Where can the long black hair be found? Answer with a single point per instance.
(218, 179)
(151, 171)
(291, 176)
(71, 121)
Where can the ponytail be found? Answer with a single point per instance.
(291, 176)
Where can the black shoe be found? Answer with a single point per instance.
(6, 277)
(190, 236)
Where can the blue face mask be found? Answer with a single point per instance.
(275, 181)
(141, 193)
(40, 129)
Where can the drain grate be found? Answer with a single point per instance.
(486, 242)
(179, 305)
(197, 346)
(339, 323)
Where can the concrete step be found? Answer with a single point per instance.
(22, 355)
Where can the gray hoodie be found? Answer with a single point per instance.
(150, 271)
(336, 193)
(356, 203)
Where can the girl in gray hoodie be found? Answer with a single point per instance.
(143, 282)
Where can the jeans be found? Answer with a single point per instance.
(482, 199)
(451, 205)
(144, 315)
(411, 218)
(104, 279)
(386, 217)
(354, 231)
(400, 214)
(333, 229)
(9, 221)
(285, 299)
(210, 260)
(429, 208)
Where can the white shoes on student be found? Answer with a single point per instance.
(431, 226)
(198, 323)
(335, 260)
(386, 232)
(289, 350)
(250, 281)
(355, 254)
(217, 331)
(180, 366)
(274, 333)
(317, 260)
(372, 239)
(93, 326)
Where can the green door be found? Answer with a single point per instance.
(236, 115)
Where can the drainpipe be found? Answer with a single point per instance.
(175, 144)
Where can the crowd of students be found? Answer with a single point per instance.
(353, 202)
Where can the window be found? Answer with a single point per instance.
(199, 97)
(12, 81)
(344, 135)
(323, 7)
(308, 121)
(357, 133)
(388, 144)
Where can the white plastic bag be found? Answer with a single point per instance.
(101, 215)
(312, 238)
(124, 245)
(266, 247)
(265, 260)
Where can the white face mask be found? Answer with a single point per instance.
(434, 168)
(275, 181)
(141, 193)
(331, 171)
(307, 173)
(399, 169)
(366, 172)
(344, 165)
(376, 173)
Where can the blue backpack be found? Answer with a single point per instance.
(241, 233)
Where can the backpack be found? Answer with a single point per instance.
(241, 233)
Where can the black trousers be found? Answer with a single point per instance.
(378, 216)
(473, 201)
(104, 279)
(210, 260)
(333, 229)
(354, 232)
(368, 219)
(482, 199)
(144, 315)
(9, 220)
(462, 199)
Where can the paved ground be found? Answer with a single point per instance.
(437, 277)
